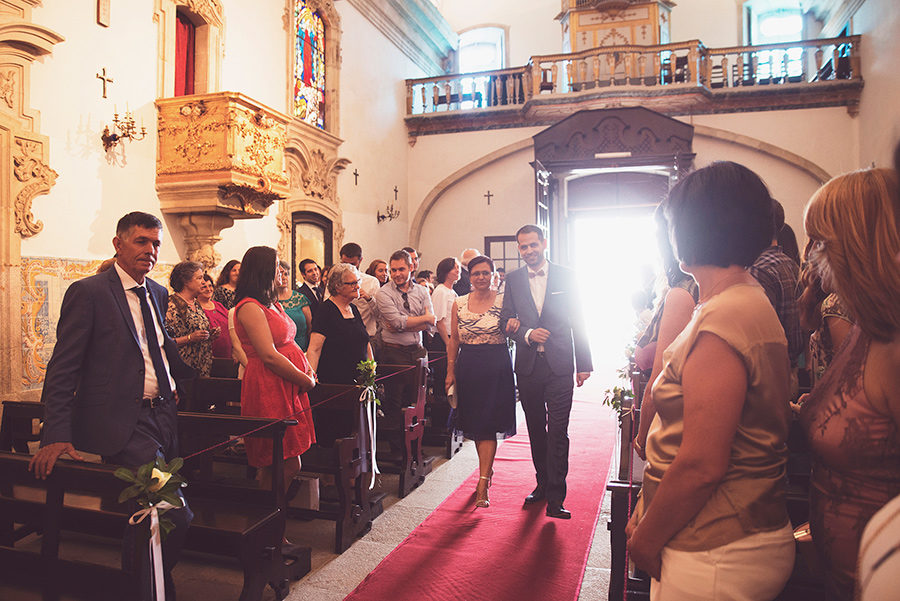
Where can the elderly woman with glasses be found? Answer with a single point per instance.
(338, 342)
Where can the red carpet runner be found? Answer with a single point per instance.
(504, 552)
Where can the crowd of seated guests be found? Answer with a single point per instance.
(711, 521)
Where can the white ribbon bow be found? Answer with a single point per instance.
(155, 542)
(368, 397)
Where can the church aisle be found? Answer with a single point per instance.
(341, 576)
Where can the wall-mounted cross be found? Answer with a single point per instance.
(355, 177)
(106, 80)
(489, 196)
(395, 192)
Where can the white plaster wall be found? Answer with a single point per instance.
(462, 218)
(93, 189)
(532, 27)
(256, 46)
(434, 158)
(826, 136)
(373, 104)
(81, 210)
(879, 118)
(713, 22)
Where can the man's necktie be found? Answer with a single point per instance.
(162, 376)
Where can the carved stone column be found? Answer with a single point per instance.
(201, 233)
(25, 174)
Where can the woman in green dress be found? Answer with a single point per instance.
(296, 306)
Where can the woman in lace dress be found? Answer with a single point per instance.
(852, 416)
(479, 367)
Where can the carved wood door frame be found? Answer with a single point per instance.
(597, 141)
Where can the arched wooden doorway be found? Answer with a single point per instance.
(601, 159)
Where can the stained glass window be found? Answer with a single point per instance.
(309, 65)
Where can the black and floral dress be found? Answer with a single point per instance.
(182, 318)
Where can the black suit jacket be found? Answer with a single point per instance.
(95, 379)
(567, 349)
(464, 285)
(310, 294)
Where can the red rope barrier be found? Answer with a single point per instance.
(231, 441)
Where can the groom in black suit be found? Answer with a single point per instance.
(542, 313)
(110, 384)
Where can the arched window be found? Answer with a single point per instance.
(482, 49)
(309, 65)
(773, 22)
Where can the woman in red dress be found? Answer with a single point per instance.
(278, 375)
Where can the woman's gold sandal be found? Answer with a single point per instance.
(481, 500)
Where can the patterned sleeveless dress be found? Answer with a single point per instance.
(484, 377)
(856, 462)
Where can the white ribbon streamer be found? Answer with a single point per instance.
(368, 397)
(155, 543)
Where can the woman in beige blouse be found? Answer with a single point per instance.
(711, 522)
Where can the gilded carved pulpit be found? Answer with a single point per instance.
(220, 158)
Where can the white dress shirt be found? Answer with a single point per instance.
(151, 384)
(537, 282)
(367, 308)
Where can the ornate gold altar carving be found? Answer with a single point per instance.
(614, 22)
(38, 179)
(8, 87)
(313, 165)
(24, 155)
(221, 157)
(240, 141)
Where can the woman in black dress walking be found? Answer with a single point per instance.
(479, 366)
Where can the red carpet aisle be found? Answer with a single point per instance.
(504, 552)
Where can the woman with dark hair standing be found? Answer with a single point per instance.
(277, 376)
(226, 284)
(218, 318)
(379, 270)
(479, 367)
(711, 522)
(185, 320)
(671, 316)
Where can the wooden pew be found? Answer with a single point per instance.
(345, 458)
(437, 409)
(231, 518)
(623, 490)
(403, 433)
(212, 395)
(342, 455)
(48, 506)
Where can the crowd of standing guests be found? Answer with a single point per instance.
(732, 358)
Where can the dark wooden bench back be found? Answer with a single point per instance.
(212, 395)
(20, 425)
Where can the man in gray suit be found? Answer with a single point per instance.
(542, 313)
(109, 387)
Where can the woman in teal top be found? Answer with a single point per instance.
(296, 306)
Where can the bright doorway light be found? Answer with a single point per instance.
(615, 251)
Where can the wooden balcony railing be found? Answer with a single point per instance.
(642, 71)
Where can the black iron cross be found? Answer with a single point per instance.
(355, 177)
(395, 192)
(489, 196)
(106, 80)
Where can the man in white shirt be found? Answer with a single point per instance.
(368, 285)
(110, 384)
